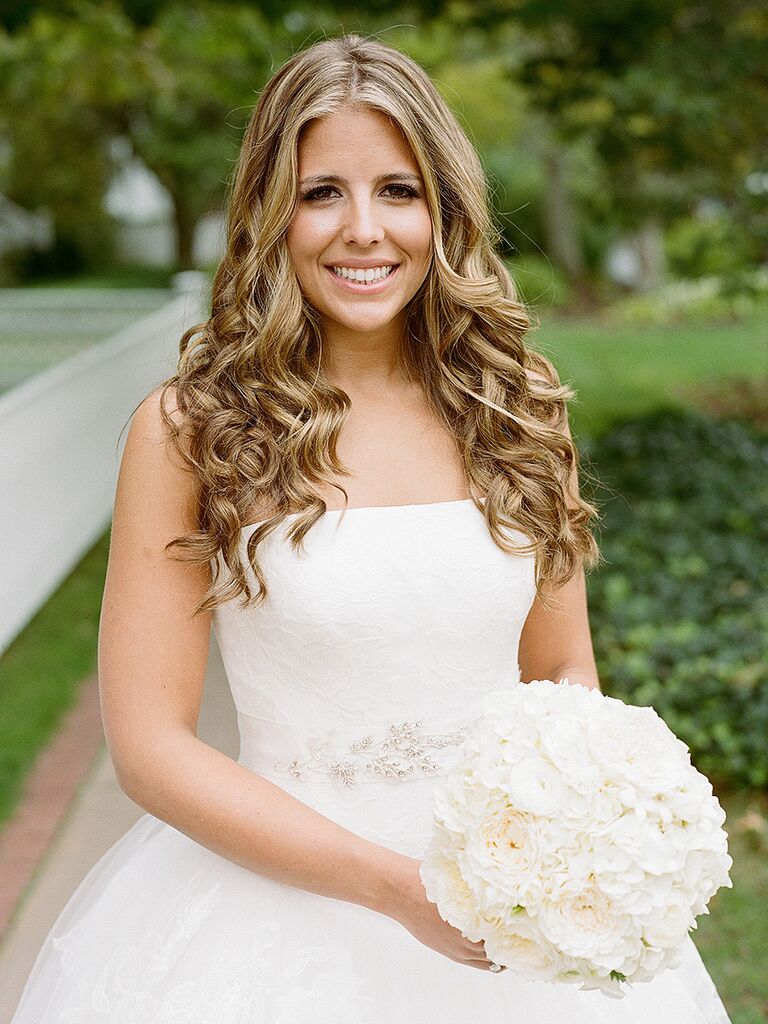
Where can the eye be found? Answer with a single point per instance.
(406, 191)
(316, 193)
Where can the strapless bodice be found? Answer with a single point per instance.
(374, 644)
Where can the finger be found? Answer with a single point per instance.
(482, 959)
(483, 965)
(478, 947)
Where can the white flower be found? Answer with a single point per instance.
(517, 942)
(574, 837)
(446, 888)
(536, 786)
(566, 746)
(670, 925)
(635, 744)
(586, 925)
(502, 854)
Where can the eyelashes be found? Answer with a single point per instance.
(407, 192)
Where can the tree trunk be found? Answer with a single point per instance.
(184, 225)
(563, 243)
(650, 249)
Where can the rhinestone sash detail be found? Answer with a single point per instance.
(403, 753)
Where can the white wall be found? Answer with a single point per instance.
(59, 452)
(153, 243)
(24, 227)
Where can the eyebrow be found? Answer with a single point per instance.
(400, 175)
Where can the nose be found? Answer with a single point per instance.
(361, 223)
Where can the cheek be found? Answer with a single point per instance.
(310, 230)
(308, 235)
(415, 234)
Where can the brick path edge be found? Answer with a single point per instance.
(48, 792)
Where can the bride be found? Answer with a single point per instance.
(365, 342)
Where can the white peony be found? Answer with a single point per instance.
(574, 837)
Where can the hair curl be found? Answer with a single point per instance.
(258, 422)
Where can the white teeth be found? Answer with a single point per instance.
(364, 276)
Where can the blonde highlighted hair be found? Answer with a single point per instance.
(255, 417)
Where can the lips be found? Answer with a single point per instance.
(363, 264)
(360, 287)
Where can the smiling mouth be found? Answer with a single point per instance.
(364, 275)
(361, 280)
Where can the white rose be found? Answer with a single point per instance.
(586, 925)
(502, 855)
(516, 942)
(565, 744)
(634, 744)
(445, 886)
(535, 786)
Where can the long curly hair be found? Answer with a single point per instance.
(255, 417)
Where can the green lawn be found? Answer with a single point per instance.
(41, 671)
(618, 371)
(733, 937)
(128, 276)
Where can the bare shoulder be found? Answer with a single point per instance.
(153, 646)
(154, 476)
(156, 501)
(149, 420)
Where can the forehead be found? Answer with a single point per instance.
(353, 139)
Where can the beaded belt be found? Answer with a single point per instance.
(393, 752)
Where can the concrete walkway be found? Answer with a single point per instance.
(98, 816)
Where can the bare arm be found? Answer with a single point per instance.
(558, 642)
(151, 661)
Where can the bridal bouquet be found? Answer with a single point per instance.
(574, 837)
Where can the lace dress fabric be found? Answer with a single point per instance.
(353, 685)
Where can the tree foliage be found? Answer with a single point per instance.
(672, 93)
(179, 90)
(588, 116)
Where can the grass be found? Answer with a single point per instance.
(128, 276)
(733, 937)
(41, 671)
(620, 371)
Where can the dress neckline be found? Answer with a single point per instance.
(374, 508)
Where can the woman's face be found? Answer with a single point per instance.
(361, 212)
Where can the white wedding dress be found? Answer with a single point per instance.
(352, 685)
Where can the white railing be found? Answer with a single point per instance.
(60, 449)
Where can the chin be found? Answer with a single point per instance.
(369, 326)
(365, 324)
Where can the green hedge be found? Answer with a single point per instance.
(679, 612)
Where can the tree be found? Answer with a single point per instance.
(57, 80)
(671, 94)
(200, 69)
(179, 89)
